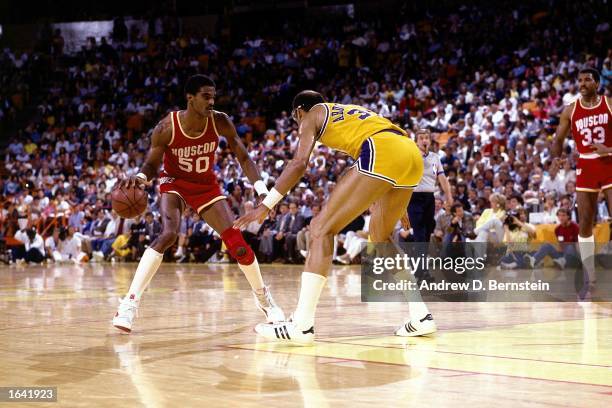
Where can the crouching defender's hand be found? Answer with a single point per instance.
(258, 214)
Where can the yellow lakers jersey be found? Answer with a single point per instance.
(346, 127)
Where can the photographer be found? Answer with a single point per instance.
(456, 226)
(517, 235)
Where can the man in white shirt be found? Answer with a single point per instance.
(571, 95)
(496, 115)
(553, 182)
(119, 158)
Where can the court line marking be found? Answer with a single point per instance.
(590, 378)
(240, 347)
(467, 354)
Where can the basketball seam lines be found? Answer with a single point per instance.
(130, 205)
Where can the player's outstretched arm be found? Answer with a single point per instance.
(227, 129)
(294, 170)
(160, 139)
(562, 131)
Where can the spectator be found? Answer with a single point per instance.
(32, 249)
(294, 222)
(279, 231)
(52, 244)
(456, 226)
(69, 248)
(517, 234)
(120, 248)
(303, 237)
(567, 236)
(354, 241)
(550, 213)
(489, 226)
(491, 122)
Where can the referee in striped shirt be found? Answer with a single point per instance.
(421, 209)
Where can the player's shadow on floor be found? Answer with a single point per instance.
(82, 365)
(281, 372)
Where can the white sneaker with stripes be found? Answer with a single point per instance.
(413, 328)
(286, 332)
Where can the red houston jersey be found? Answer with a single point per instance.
(591, 126)
(191, 158)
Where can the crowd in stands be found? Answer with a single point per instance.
(489, 81)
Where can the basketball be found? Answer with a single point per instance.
(129, 202)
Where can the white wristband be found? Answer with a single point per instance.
(142, 176)
(272, 198)
(260, 187)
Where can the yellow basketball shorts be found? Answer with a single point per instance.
(393, 157)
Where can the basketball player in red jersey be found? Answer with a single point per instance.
(589, 119)
(186, 141)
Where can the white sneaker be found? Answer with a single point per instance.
(560, 262)
(127, 311)
(179, 252)
(303, 252)
(413, 328)
(268, 306)
(530, 260)
(286, 332)
(342, 259)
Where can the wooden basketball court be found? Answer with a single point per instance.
(194, 346)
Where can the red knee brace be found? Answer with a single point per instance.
(237, 246)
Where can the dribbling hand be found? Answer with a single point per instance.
(134, 181)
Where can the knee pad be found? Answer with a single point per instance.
(237, 246)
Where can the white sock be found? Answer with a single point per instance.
(312, 285)
(417, 310)
(587, 253)
(148, 265)
(253, 275)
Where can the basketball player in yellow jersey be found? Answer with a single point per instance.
(388, 166)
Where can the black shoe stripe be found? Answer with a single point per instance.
(428, 317)
(276, 331)
(286, 333)
(410, 327)
(311, 330)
